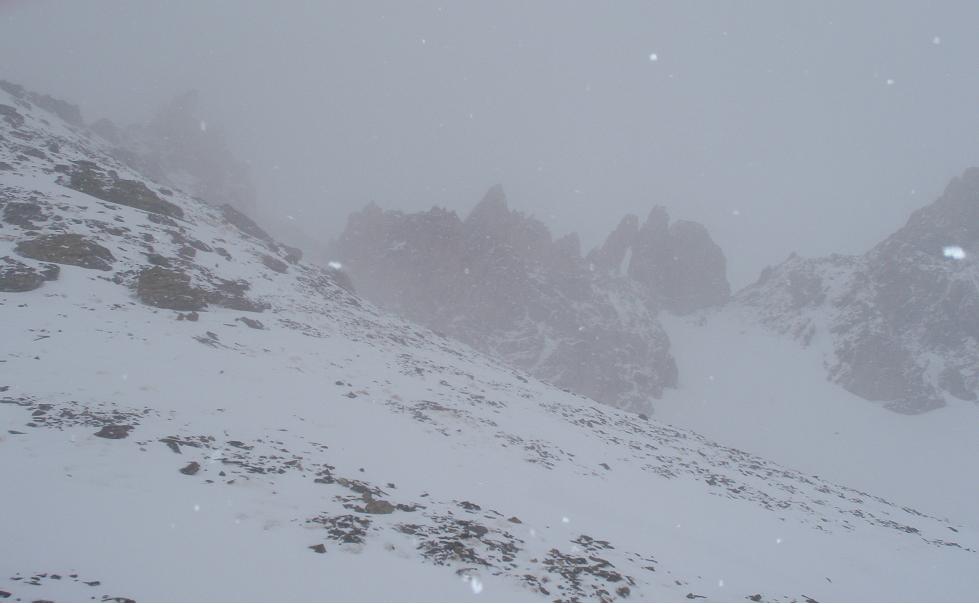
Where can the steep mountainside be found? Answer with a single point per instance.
(903, 319)
(190, 413)
(179, 149)
(499, 282)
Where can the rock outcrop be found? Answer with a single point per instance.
(903, 319)
(499, 281)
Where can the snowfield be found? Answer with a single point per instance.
(322, 450)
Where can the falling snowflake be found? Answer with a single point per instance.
(335, 265)
(936, 40)
(565, 519)
(736, 212)
(890, 82)
(720, 583)
(954, 252)
(475, 584)
(653, 57)
(197, 507)
(778, 541)
(203, 126)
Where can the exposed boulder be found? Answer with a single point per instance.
(89, 178)
(231, 294)
(67, 248)
(274, 264)
(23, 214)
(18, 277)
(171, 289)
(114, 431)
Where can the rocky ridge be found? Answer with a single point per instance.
(900, 324)
(498, 281)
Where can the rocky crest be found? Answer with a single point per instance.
(902, 320)
(499, 282)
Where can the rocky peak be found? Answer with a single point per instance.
(612, 254)
(498, 281)
(677, 265)
(902, 318)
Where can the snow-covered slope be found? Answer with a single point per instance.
(762, 392)
(270, 436)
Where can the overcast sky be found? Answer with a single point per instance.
(814, 127)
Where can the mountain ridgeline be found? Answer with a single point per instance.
(900, 322)
(498, 281)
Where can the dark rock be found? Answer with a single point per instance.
(23, 214)
(754, 598)
(4, 594)
(253, 323)
(89, 178)
(231, 294)
(293, 254)
(68, 248)
(379, 506)
(114, 431)
(191, 468)
(158, 260)
(18, 277)
(274, 263)
(319, 548)
(171, 289)
(191, 316)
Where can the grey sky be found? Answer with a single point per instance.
(782, 126)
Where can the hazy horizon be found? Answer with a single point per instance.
(808, 127)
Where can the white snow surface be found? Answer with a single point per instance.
(763, 392)
(421, 467)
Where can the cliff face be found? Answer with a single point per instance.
(902, 320)
(498, 281)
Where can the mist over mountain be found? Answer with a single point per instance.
(187, 381)
(489, 301)
(499, 282)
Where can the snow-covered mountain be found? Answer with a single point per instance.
(499, 282)
(192, 413)
(902, 319)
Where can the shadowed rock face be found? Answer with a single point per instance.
(498, 281)
(903, 318)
